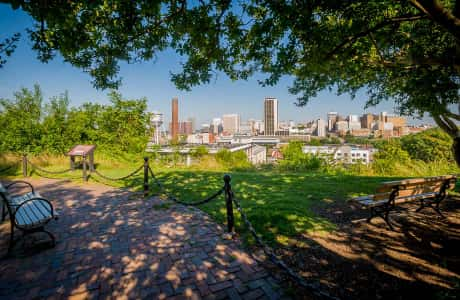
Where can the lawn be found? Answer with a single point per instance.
(278, 204)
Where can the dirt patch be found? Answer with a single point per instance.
(418, 260)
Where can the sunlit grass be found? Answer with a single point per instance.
(279, 204)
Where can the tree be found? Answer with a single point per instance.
(55, 125)
(402, 50)
(20, 118)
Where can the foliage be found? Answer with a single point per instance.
(7, 47)
(199, 151)
(20, 121)
(233, 160)
(349, 139)
(430, 145)
(401, 50)
(421, 154)
(294, 158)
(30, 126)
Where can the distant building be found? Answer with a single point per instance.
(367, 120)
(341, 127)
(363, 132)
(332, 118)
(174, 118)
(320, 128)
(257, 126)
(270, 116)
(186, 127)
(346, 154)
(231, 123)
(354, 122)
(201, 138)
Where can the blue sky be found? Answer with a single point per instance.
(152, 80)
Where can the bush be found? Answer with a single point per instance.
(294, 159)
(233, 160)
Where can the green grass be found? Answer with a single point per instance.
(279, 204)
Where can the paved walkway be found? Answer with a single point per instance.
(112, 244)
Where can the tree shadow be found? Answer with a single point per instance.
(111, 244)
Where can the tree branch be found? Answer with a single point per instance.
(444, 126)
(444, 17)
(354, 38)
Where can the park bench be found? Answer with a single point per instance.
(429, 192)
(27, 212)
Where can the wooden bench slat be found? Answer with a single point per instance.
(418, 180)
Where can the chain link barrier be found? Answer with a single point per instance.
(118, 178)
(47, 171)
(171, 197)
(314, 288)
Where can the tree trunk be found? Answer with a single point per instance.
(456, 150)
(450, 128)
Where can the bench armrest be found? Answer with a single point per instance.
(20, 182)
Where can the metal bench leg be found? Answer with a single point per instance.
(10, 247)
(422, 206)
(3, 211)
(437, 210)
(387, 219)
(53, 240)
(371, 216)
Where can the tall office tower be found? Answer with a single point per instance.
(175, 118)
(320, 128)
(231, 123)
(332, 118)
(271, 116)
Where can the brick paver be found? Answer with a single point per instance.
(112, 244)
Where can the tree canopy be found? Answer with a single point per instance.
(28, 125)
(402, 50)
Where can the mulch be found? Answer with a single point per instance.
(360, 260)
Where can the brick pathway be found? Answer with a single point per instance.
(111, 244)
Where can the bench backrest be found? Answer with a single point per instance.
(5, 197)
(415, 186)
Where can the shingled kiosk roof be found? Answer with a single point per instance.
(81, 150)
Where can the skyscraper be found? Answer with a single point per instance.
(175, 118)
(320, 128)
(271, 116)
(231, 123)
(332, 118)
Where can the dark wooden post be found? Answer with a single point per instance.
(146, 176)
(85, 177)
(24, 165)
(72, 162)
(228, 202)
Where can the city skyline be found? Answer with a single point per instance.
(152, 80)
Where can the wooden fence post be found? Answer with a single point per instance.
(24, 165)
(146, 177)
(85, 177)
(229, 203)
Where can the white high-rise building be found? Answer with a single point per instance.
(354, 122)
(321, 128)
(231, 123)
(270, 116)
